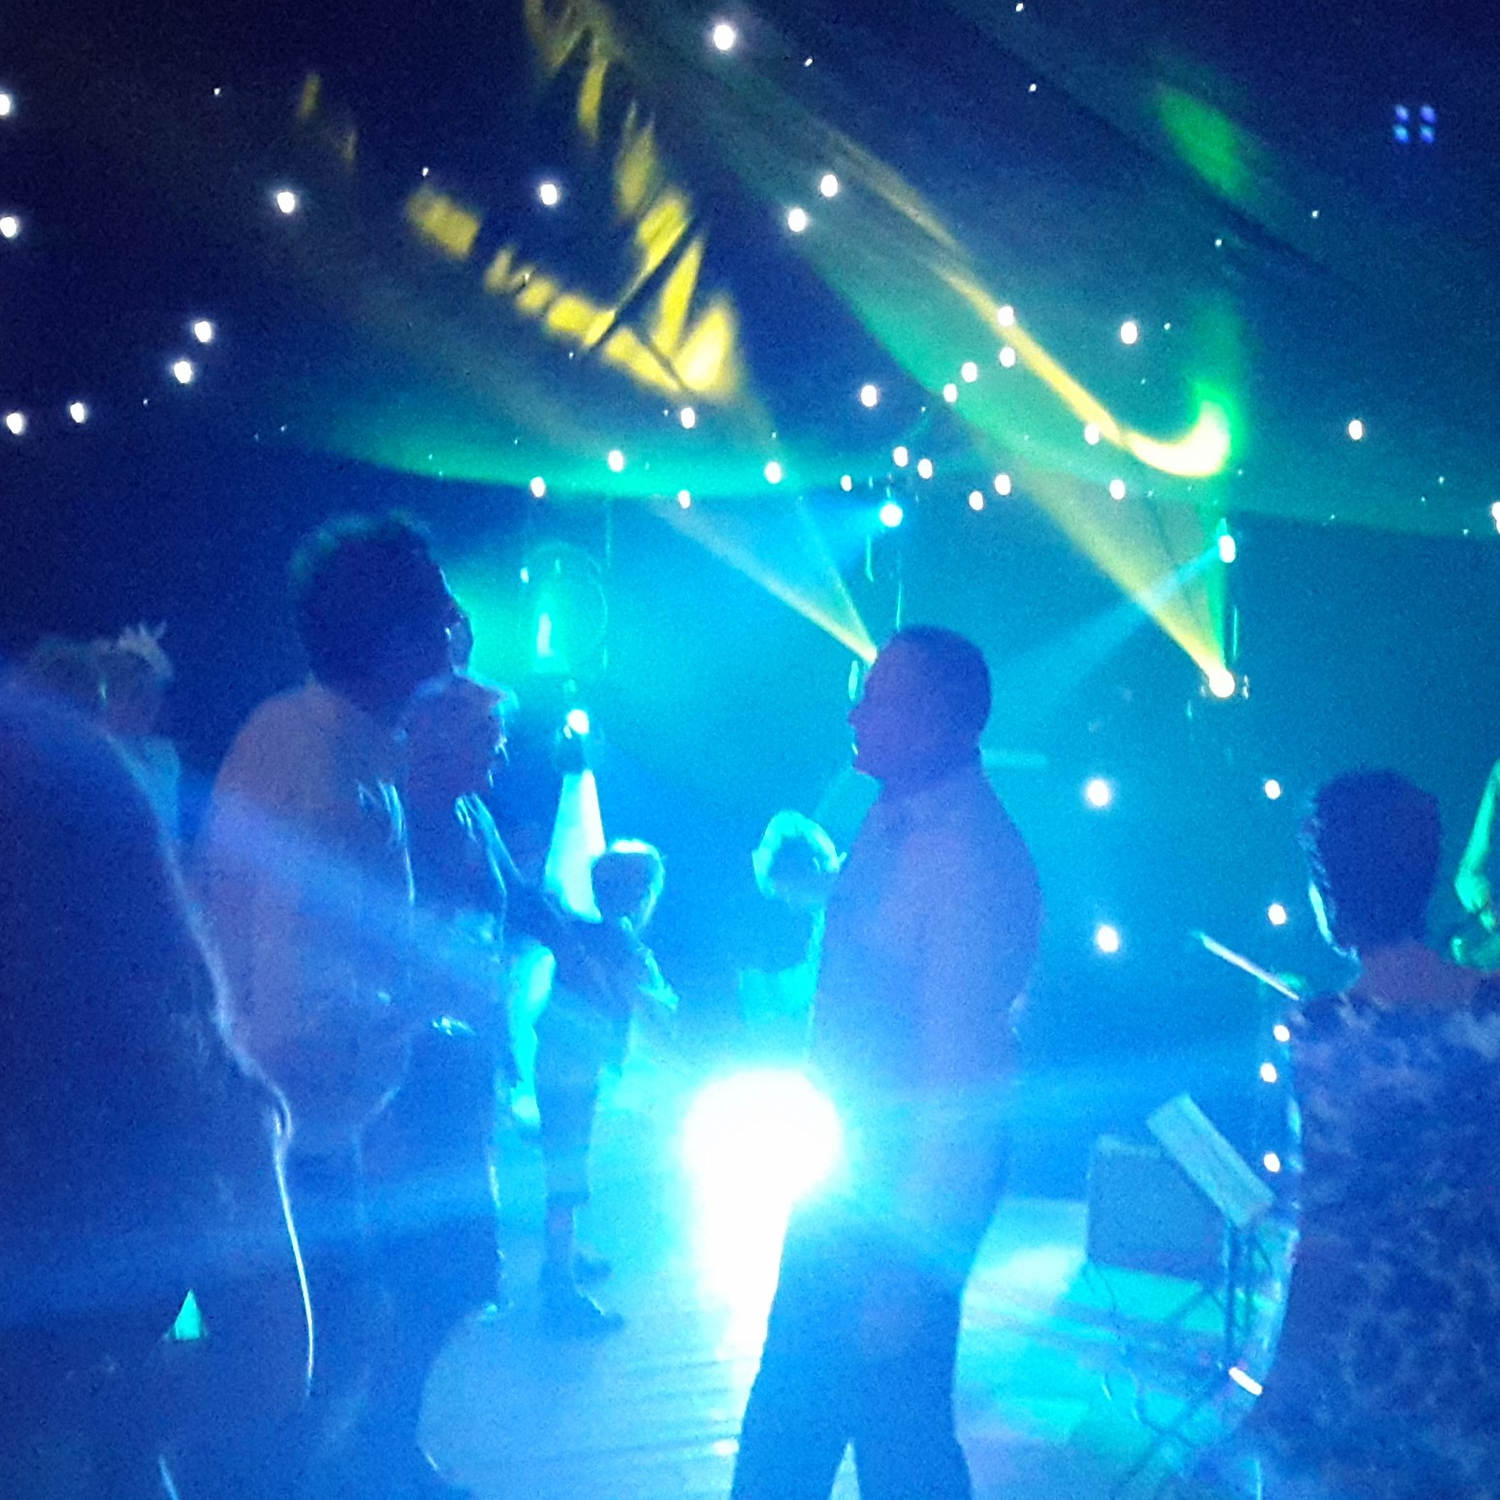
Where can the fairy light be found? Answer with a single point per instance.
(1282, 1032)
(684, 499)
(549, 193)
(1006, 316)
(828, 185)
(1002, 484)
(724, 36)
(79, 412)
(869, 395)
(538, 487)
(968, 372)
(797, 220)
(7, 105)
(1272, 788)
(924, 468)
(900, 455)
(950, 393)
(976, 500)
(10, 226)
(1007, 357)
(616, 461)
(846, 482)
(1117, 489)
(15, 422)
(1356, 430)
(1130, 331)
(1268, 1073)
(286, 201)
(203, 330)
(1091, 433)
(184, 371)
(688, 417)
(773, 472)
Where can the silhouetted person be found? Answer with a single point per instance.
(137, 1159)
(603, 977)
(1382, 1387)
(795, 865)
(308, 880)
(931, 933)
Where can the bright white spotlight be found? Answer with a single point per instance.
(1222, 683)
(968, 372)
(15, 422)
(577, 721)
(78, 411)
(797, 220)
(976, 499)
(900, 455)
(1356, 429)
(869, 395)
(723, 36)
(1006, 316)
(184, 371)
(684, 499)
(1002, 484)
(203, 330)
(765, 1133)
(10, 226)
(1117, 489)
(1272, 788)
(1098, 792)
(616, 461)
(924, 468)
(846, 482)
(1007, 356)
(538, 487)
(891, 515)
(688, 417)
(1276, 914)
(950, 393)
(828, 185)
(1091, 433)
(1228, 548)
(1107, 938)
(285, 200)
(1130, 331)
(549, 193)
(774, 472)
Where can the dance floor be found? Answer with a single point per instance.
(1068, 1374)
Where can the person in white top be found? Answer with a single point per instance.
(932, 930)
(306, 880)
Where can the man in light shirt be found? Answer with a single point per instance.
(931, 933)
(307, 884)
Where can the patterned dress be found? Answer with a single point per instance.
(1386, 1384)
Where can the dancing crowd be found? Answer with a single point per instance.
(256, 1078)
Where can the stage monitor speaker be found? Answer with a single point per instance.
(1144, 1214)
